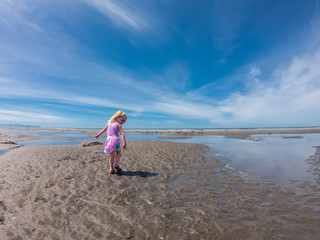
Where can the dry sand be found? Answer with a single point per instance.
(166, 191)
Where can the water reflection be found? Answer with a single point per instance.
(141, 136)
(46, 142)
(43, 133)
(278, 157)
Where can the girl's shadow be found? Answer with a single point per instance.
(136, 173)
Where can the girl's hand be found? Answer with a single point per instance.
(97, 136)
(124, 146)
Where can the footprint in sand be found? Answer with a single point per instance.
(3, 209)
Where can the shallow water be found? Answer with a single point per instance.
(43, 133)
(277, 157)
(271, 157)
(29, 143)
(46, 142)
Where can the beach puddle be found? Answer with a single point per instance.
(280, 158)
(47, 142)
(140, 136)
(30, 143)
(51, 134)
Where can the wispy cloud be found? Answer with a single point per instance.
(227, 22)
(254, 72)
(290, 97)
(26, 116)
(18, 90)
(57, 66)
(130, 15)
(122, 13)
(176, 76)
(12, 14)
(315, 27)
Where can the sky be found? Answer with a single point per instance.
(167, 64)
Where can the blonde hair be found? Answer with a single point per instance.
(116, 115)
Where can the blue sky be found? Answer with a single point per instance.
(167, 64)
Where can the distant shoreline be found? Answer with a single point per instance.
(157, 129)
(229, 133)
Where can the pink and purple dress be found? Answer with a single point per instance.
(113, 139)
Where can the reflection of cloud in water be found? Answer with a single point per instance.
(29, 143)
(43, 133)
(277, 157)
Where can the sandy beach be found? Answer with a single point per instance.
(166, 191)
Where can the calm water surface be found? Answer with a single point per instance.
(47, 142)
(43, 133)
(277, 157)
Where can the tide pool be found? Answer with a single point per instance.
(281, 158)
(47, 142)
(43, 133)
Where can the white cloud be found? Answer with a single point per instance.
(24, 116)
(120, 14)
(292, 96)
(17, 89)
(254, 72)
(176, 76)
(126, 14)
(4, 80)
(315, 27)
(185, 109)
(202, 93)
(227, 22)
(13, 16)
(139, 21)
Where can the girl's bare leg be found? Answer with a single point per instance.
(111, 160)
(118, 157)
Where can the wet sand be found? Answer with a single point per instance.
(166, 191)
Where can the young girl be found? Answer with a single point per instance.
(112, 146)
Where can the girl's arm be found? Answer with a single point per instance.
(102, 131)
(122, 136)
